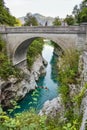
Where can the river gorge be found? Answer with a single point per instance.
(38, 88)
(47, 85)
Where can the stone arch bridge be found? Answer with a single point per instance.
(19, 38)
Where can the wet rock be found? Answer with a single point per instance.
(45, 62)
(57, 51)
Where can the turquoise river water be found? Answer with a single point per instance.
(37, 98)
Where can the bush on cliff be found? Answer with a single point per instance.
(30, 120)
(6, 68)
(68, 74)
(34, 49)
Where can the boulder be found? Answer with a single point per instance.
(52, 107)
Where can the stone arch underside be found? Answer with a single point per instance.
(20, 49)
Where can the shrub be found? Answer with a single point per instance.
(6, 67)
(34, 49)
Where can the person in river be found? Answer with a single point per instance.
(46, 88)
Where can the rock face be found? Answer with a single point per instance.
(55, 105)
(41, 19)
(84, 80)
(14, 89)
(52, 107)
(58, 51)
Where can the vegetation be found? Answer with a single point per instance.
(69, 20)
(78, 98)
(57, 21)
(68, 73)
(24, 121)
(29, 120)
(34, 49)
(18, 23)
(6, 68)
(68, 69)
(5, 17)
(30, 20)
(80, 12)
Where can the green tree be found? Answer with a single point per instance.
(34, 50)
(83, 15)
(2, 3)
(5, 16)
(30, 20)
(80, 12)
(57, 21)
(69, 20)
(18, 23)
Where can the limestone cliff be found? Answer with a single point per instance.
(83, 61)
(55, 106)
(15, 89)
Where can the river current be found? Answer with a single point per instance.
(47, 84)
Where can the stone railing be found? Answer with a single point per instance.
(43, 29)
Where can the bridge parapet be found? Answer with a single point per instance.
(43, 29)
(19, 38)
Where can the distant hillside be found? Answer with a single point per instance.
(41, 19)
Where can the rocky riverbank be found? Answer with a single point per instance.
(55, 106)
(15, 89)
(52, 107)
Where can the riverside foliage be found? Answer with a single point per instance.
(30, 120)
(34, 49)
(5, 17)
(68, 74)
(6, 68)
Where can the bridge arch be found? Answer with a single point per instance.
(20, 51)
(19, 38)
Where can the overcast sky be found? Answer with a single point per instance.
(52, 8)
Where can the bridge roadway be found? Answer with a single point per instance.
(19, 38)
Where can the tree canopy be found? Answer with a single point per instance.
(30, 20)
(80, 12)
(5, 17)
(69, 20)
(57, 21)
